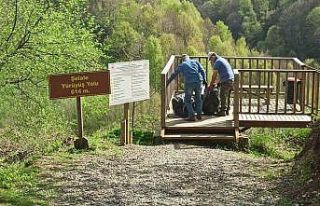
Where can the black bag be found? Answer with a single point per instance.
(178, 106)
(211, 101)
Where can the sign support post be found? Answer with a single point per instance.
(80, 118)
(125, 137)
(81, 142)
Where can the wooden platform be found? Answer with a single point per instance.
(268, 92)
(279, 120)
(207, 121)
(246, 120)
(215, 137)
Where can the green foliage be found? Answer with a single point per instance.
(313, 33)
(95, 110)
(153, 52)
(283, 28)
(143, 137)
(140, 137)
(306, 170)
(278, 143)
(19, 186)
(274, 41)
(40, 39)
(224, 32)
(223, 43)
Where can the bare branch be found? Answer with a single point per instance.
(130, 56)
(14, 24)
(14, 21)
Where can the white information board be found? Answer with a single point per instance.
(129, 82)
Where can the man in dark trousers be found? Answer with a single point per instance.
(222, 67)
(194, 75)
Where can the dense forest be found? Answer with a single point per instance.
(279, 28)
(43, 37)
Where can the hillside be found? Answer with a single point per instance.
(38, 164)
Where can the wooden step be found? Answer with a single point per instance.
(199, 137)
(197, 130)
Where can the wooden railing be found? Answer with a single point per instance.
(280, 89)
(236, 103)
(287, 85)
(261, 85)
(167, 90)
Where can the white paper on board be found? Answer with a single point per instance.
(129, 82)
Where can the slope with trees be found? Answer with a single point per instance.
(280, 28)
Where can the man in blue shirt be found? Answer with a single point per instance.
(222, 67)
(194, 75)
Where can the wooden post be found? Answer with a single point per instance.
(80, 117)
(81, 143)
(125, 137)
(123, 133)
(236, 99)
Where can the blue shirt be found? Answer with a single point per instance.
(224, 69)
(192, 72)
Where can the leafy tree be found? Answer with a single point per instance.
(224, 32)
(123, 43)
(274, 42)
(153, 52)
(37, 39)
(241, 47)
(168, 44)
(208, 31)
(261, 8)
(250, 25)
(312, 34)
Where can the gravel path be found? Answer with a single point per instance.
(175, 174)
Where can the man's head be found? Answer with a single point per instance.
(184, 57)
(212, 56)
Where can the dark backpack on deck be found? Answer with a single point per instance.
(178, 105)
(211, 101)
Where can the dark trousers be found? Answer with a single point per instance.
(225, 91)
(188, 89)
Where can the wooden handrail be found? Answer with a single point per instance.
(297, 61)
(236, 100)
(168, 65)
(262, 58)
(164, 89)
(273, 70)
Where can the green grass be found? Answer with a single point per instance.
(19, 185)
(277, 143)
(140, 137)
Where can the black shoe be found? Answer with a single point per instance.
(222, 113)
(191, 119)
(199, 117)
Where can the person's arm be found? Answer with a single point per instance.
(202, 72)
(174, 75)
(214, 77)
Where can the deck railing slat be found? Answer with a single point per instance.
(277, 91)
(259, 88)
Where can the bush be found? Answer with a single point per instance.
(277, 143)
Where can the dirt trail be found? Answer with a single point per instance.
(164, 175)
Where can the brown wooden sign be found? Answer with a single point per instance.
(79, 84)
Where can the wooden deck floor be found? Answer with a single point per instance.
(260, 118)
(279, 120)
(207, 121)
(246, 120)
